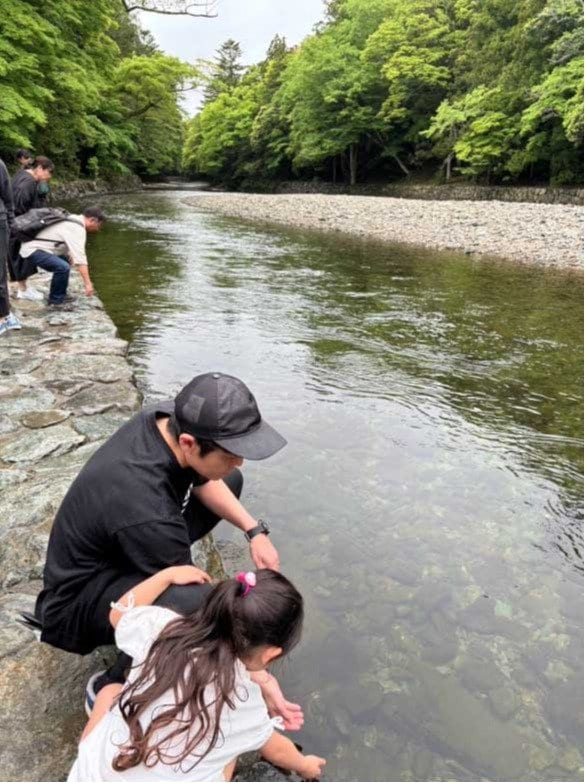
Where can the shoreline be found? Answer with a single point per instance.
(543, 235)
(65, 387)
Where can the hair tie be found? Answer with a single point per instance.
(248, 580)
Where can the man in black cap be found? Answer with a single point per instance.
(161, 482)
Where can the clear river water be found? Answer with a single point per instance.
(429, 503)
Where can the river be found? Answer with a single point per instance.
(429, 503)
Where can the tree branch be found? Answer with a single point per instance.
(188, 10)
(155, 104)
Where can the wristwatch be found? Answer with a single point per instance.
(261, 527)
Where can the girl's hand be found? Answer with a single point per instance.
(311, 767)
(186, 575)
(278, 706)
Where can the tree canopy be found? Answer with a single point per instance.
(83, 84)
(491, 91)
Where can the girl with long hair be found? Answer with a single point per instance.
(189, 707)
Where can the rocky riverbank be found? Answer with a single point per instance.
(549, 235)
(80, 188)
(65, 386)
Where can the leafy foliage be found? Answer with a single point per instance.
(487, 90)
(83, 84)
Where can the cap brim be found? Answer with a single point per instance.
(259, 444)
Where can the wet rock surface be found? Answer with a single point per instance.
(45, 438)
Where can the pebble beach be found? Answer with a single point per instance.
(549, 235)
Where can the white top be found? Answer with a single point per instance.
(68, 239)
(245, 728)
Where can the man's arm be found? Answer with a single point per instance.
(87, 284)
(218, 497)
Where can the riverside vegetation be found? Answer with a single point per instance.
(385, 89)
(382, 90)
(84, 84)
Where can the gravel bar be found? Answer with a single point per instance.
(549, 235)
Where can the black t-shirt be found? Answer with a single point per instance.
(122, 515)
(25, 192)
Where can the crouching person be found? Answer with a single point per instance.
(59, 247)
(189, 707)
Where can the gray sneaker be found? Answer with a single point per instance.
(12, 322)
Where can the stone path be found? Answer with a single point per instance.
(542, 234)
(65, 386)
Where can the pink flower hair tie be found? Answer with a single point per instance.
(248, 580)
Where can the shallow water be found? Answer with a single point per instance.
(429, 504)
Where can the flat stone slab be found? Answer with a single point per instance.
(34, 502)
(12, 476)
(103, 368)
(108, 346)
(25, 402)
(101, 425)
(33, 447)
(19, 364)
(100, 397)
(67, 387)
(37, 420)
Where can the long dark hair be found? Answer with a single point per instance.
(199, 650)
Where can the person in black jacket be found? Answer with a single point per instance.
(25, 189)
(8, 321)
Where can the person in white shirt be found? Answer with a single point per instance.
(189, 707)
(59, 247)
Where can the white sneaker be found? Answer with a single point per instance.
(12, 322)
(30, 293)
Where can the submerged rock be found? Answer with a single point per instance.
(440, 711)
(503, 702)
(360, 700)
(481, 674)
(481, 617)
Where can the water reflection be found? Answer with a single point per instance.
(429, 503)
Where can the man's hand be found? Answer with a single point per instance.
(278, 706)
(89, 289)
(263, 553)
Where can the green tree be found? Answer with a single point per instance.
(225, 70)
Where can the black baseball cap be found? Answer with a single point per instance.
(221, 408)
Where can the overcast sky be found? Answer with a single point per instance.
(251, 22)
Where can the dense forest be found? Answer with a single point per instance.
(487, 90)
(81, 83)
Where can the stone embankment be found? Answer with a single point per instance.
(427, 191)
(548, 235)
(65, 386)
(81, 188)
